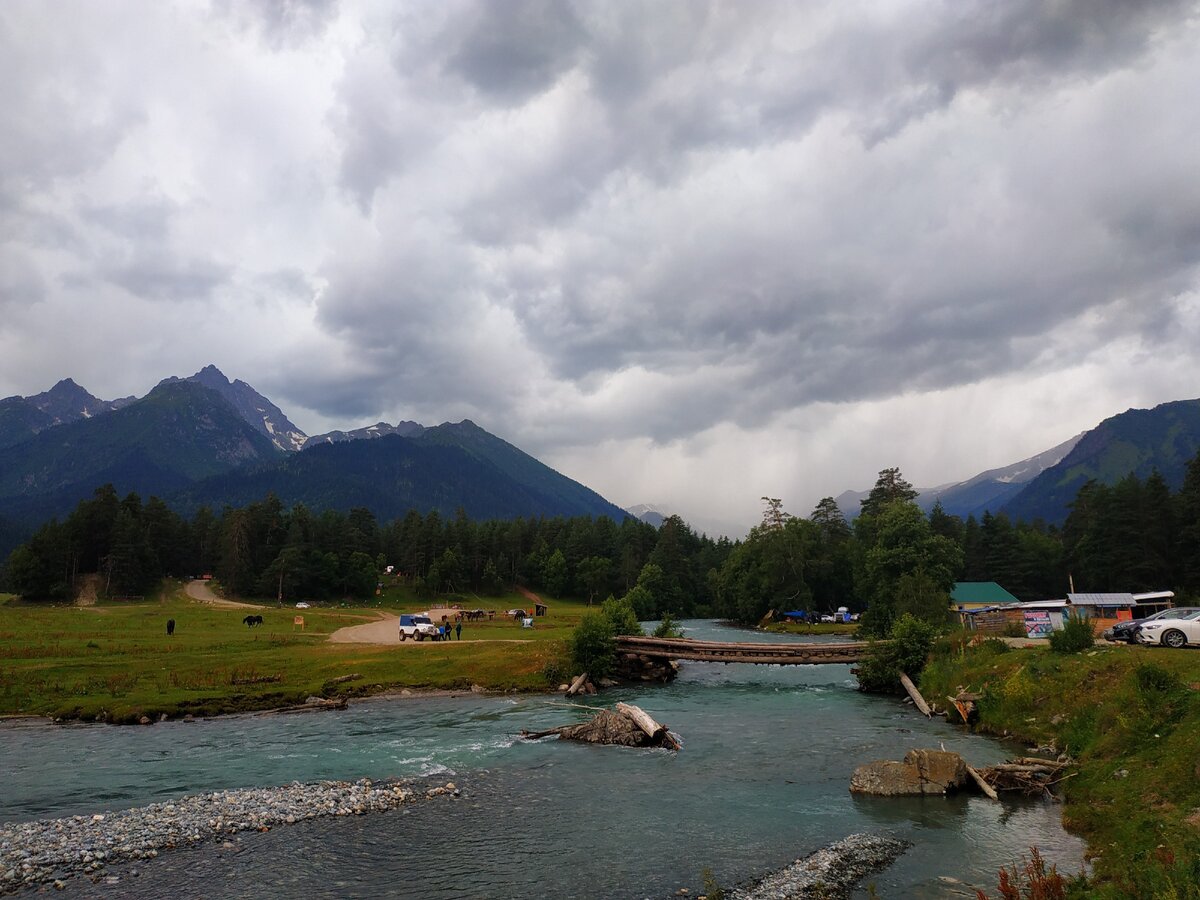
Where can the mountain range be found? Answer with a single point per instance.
(204, 440)
(1137, 441)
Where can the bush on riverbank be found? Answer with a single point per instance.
(906, 650)
(1130, 718)
(1074, 637)
(593, 645)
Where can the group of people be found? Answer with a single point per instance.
(448, 631)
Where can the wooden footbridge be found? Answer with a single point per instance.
(791, 654)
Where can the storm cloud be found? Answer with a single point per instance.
(688, 252)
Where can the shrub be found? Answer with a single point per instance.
(906, 651)
(992, 647)
(1014, 629)
(621, 616)
(1154, 682)
(593, 649)
(1033, 881)
(668, 628)
(1075, 637)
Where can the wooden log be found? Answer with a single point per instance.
(652, 729)
(641, 719)
(1014, 768)
(916, 695)
(577, 684)
(964, 707)
(983, 785)
(534, 735)
(1034, 761)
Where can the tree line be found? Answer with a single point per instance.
(892, 559)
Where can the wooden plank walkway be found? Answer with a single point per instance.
(791, 654)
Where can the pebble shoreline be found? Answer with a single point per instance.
(829, 874)
(49, 851)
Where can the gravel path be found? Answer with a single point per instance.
(199, 590)
(51, 850)
(830, 873)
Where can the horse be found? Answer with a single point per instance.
(170, 626)
(251, 621)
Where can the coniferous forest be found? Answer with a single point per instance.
(893, 558)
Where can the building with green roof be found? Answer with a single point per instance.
(970, 595)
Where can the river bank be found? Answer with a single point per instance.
(1130, 719)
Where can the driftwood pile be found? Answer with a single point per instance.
(625, 726)
(924, 772)
(1026, 774)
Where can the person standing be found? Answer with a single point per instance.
(458, 629)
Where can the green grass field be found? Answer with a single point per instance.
(116, 661)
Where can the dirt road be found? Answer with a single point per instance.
(387, 631)
(199, 590)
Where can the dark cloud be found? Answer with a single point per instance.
(163, 277)
(512, 51)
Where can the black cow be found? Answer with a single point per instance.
(170, 626)
(251, 621)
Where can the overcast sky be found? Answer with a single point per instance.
(687, 253)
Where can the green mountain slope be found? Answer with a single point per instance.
(550, 487)
(177, 434)
(393, 474)
(1137, 441)
(20, 420)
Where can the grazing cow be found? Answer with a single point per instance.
(170, 626)
(251, 621)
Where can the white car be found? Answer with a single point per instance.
(1178, 631)
(301, 605)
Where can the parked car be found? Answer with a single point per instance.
(301, 605)
(1178, 631)
(419, 627)
(1127, 631)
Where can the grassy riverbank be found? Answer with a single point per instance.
(1130, 717)
(116, 661)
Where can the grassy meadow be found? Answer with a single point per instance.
(115, 661)
(1130, 718)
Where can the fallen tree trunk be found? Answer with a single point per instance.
(535, 735)
(649, 727)
(577, 684)
(621, 727)
(983, 785)
(916, 695)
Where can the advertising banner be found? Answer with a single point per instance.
(1037, 623)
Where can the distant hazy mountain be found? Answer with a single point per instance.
(1138, 441)
(263, 415)
(648, 513)
(378, 430)
(986, 491)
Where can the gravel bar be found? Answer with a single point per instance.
(51, 850)
(830, 873)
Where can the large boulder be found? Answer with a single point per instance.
(921, 772)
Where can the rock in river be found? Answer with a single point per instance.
(921, 772)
